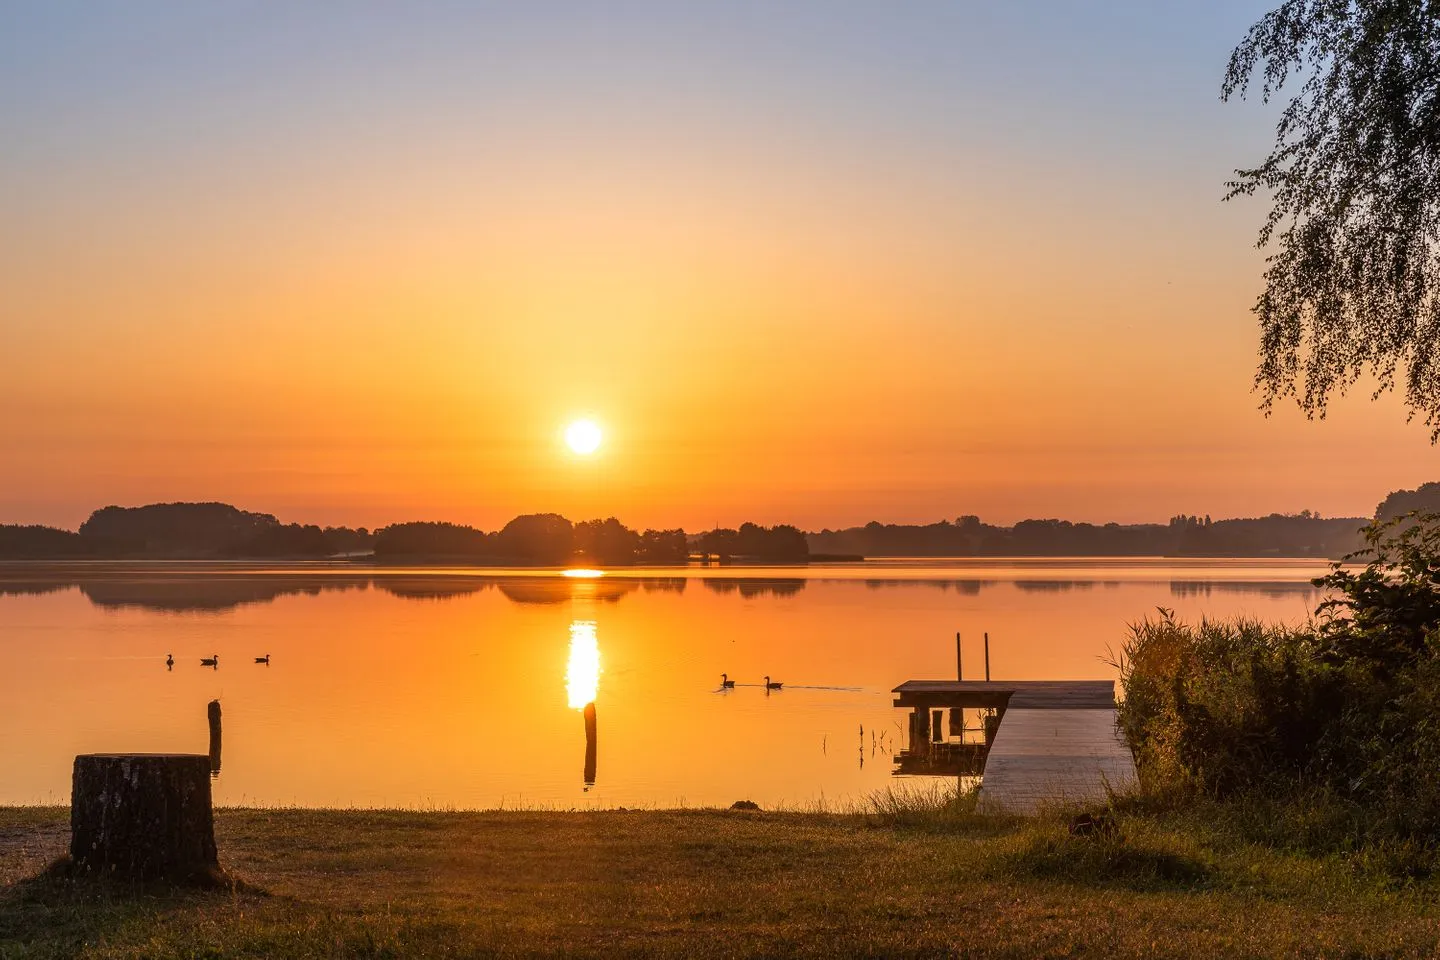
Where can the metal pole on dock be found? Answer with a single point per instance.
(959, 672)
(987, 658)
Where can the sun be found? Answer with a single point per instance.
(583, 437)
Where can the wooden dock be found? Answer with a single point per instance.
(1055, 742)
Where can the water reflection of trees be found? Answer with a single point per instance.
(749, 588)
(1054, 586)
(221, 591)
(211, 594)
(968, 588)
(432, 588)
(217, 593)
(565, 589)
(29, 588)
(1271, 590)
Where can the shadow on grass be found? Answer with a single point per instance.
(1144, 863)
(58, 912)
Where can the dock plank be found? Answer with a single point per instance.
(1051, 756)
(1027, 694)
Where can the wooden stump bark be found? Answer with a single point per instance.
(143, 816)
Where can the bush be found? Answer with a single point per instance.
(1337, 720)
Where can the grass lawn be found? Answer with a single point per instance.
(710, 883)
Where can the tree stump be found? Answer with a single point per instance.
(143, 816)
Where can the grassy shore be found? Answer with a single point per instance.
(894, 882)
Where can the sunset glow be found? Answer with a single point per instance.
(848, 257)
(871, 372)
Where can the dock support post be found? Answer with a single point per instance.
(959, 670)
(920, 731)
(987, 657)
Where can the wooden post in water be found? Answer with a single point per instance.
(590, 751)
(987, 657)
(959, 670)
(213, 713)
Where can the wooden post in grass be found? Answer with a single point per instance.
(212, 712)
(143, 816)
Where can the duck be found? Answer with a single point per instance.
(169, 661)
(211, 661)
(265, 659)
(725, 681)
(772, 684)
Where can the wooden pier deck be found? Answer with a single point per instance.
(1056, 742)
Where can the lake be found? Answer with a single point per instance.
(463, 688)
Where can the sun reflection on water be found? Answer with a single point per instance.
(582, 674)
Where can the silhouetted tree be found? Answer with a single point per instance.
(663, 546)
(174, 529)
(605, 542)
(283, 540)
(545, 539)
(421, 539)
(1423, 499)
(35, 542)
(346, 540)
(721, 541)
(1354, 184)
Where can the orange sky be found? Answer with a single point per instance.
(366, 280)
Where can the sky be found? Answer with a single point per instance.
(818, 263)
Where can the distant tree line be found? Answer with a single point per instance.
(1283, 535)
(217, 531)
(538, 539)
(221, 531)
(1423, 499)
(182, 531)
(778, 544)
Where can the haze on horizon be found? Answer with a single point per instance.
(819, 265)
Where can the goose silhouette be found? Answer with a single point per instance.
(725, 680)
(265, 659)
(772, 684)
(211, 661)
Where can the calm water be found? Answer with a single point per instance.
(455, 688)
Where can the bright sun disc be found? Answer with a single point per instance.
(583, 436)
